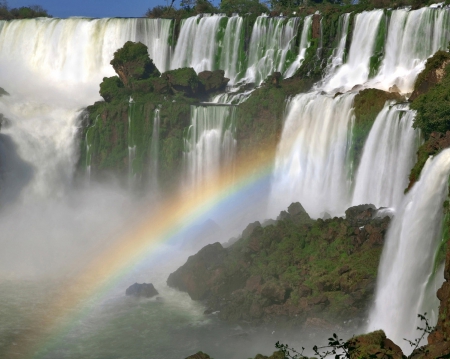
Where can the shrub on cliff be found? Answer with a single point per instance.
(243, 7)
(131, 63)
(112, 88)
(431, 97)
(23, 12)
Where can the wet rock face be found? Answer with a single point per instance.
(199, 273)
(145, 290)
(433, 74)
(213, 81)
(374, 345)
(295, 270)
(316, 26)
(359, 215)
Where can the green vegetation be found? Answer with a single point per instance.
(125, 119)
(242, 7)
(431, 98)
(23, 12)
(291, 270)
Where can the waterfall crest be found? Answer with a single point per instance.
(412, 37)
(310, 164)
(53, 57)
(197, 45)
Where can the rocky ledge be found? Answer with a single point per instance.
(293, 270)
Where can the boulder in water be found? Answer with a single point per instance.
(146, 290)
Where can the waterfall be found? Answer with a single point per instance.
(357, 68)
(270, 43)
(88, 160)
(304, 44)
(229, 60)
(311, 159)
(413, 36)
(338, 55)
(154, 153)
(197, 45)
(209, 143)
(52, 69)
(390, 153)
(408, 257)
(131, 142)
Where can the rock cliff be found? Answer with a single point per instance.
(298, 271)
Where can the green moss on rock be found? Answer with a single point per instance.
(431, 97)
(131, 62)
(290, 271)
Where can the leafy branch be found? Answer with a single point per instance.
(340, 349)
(427, 329)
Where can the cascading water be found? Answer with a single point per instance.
(304, 44)
(53, 57)
(338, 55)
(131, 142)
(270, 43)
(408, 258)
(311, 159)
(390, 150)
(88, 141)
(197, 45)
(209, 143)
(229, 59)
(154, 153)
(357, 68)
(413, 36)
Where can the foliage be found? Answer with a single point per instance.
(357, 347)
(112, 88)
(131, 62)
(427, 329)
(24, 12)
(433, 106)
(242, 7)
(187, 8)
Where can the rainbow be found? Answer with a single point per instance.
(100, 276)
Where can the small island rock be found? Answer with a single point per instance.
(146, 290)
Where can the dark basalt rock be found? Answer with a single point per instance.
(146, 290)
(433, 74)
